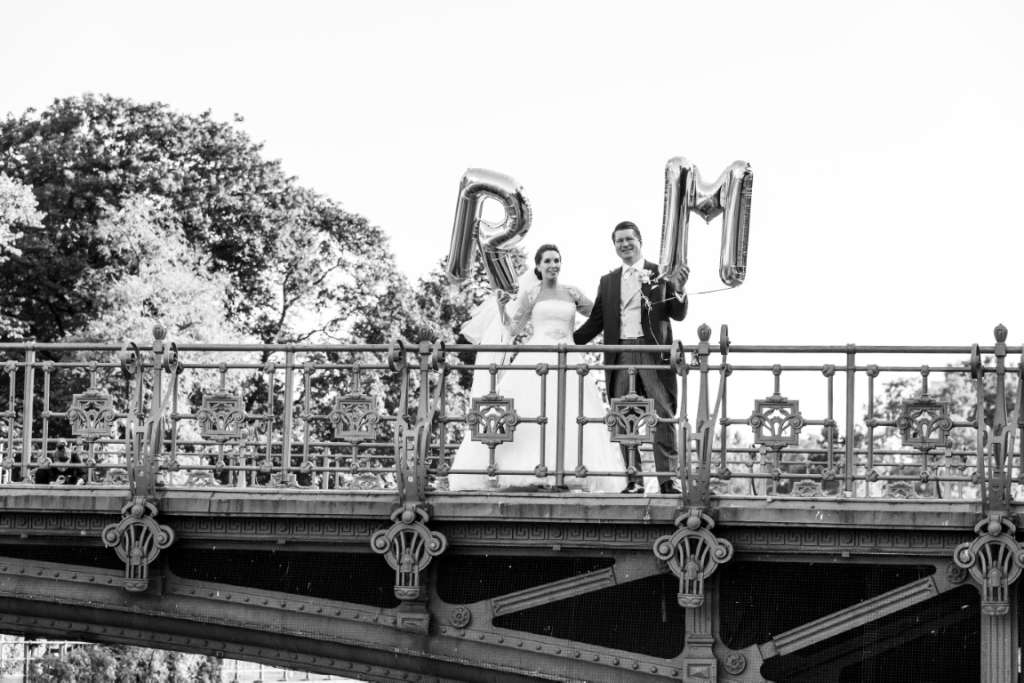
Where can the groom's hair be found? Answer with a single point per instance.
(627, 225)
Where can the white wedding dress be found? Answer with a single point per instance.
(552, 315)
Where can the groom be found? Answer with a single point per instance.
(633, 307)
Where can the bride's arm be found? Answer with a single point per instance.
(516, 320)
(583, 304)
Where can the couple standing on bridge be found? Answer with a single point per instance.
(633, 307)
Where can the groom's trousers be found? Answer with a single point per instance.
(649, 383)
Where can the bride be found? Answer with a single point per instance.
(550, 307)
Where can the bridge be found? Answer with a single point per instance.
(289, 505)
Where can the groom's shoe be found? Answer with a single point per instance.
(669, 488)
(634, 487)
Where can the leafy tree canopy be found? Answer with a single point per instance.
(127, 189)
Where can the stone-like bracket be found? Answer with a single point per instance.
(693, 553)
(137, 539)
(994, 560)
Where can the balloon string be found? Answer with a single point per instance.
(705, 291)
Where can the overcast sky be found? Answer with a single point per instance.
(885, 137)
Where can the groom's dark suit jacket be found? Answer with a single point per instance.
(654, 320)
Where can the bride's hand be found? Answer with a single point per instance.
(503, 297)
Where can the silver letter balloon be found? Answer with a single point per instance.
(729, 195)
(470, 232)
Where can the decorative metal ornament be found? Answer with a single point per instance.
(924, 423)
(137, 539)
(460, 617)
(631, 419)
(693, 554)
(994, 560)
(777, 422)
(221, 416)
(734, 663)
(91, 414)
(408, 546)
(355, 418)
(901, 489)
(807, 488)
(492, 419)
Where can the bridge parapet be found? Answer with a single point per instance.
(853, 422)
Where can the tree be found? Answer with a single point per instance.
(92, 663)
(296, 267)
(163, 279)
(17, 212)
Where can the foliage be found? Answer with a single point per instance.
(164, 280)
(294, 266)
(17, 211)
(102, 663)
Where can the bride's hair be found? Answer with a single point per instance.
(540, 252)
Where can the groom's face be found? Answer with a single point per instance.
(627, 245)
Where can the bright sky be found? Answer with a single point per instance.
(886, 138)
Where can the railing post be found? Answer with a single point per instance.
(560, 420)
(696, 494)
(851, 381)
(28, 406)
(999, 434)
(994, 559)
(408, 545)
(143, 483)
(138, 538)
(288, 412)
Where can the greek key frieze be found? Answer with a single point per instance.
(825, 540)
(20, 521)
(292, 529)
(531, 534)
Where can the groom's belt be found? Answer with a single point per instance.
(633, 340)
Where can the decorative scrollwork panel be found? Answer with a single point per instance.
(492, 419)
(355, 418)
(222, 417)
(693, 553)
(924, 423)
(631, 420)
(137, 539)
(994, 560)
(408, 546)
(776, 422)
(92, 414)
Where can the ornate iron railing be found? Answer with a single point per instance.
(762, 421)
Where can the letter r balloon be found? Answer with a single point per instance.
(729, 195)
(494, 242)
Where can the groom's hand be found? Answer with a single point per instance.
(679, 278)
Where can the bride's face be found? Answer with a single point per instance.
(550, 264)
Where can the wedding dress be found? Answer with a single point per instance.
(552, 316)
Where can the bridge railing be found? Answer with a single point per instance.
(763, 421)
